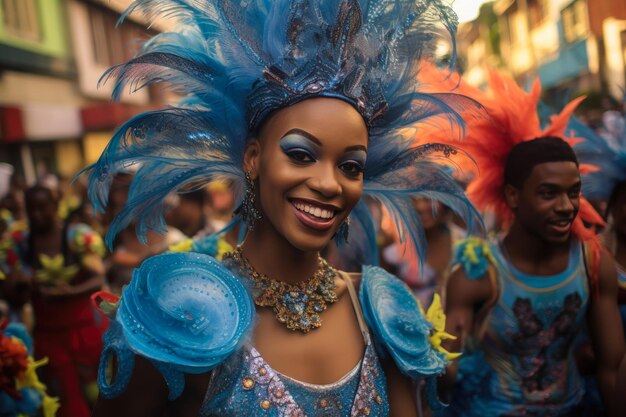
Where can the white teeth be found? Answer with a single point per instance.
(315, 211)
(562, 223)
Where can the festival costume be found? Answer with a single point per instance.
(237, 62)
(21, 392)
(257, 387)
(67, 331)
(519, 361)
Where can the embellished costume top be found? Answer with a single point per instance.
(247, 385)
(194, 316)
(519, 361)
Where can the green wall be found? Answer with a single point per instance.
(50, 53)
(52, 26)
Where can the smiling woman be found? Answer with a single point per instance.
(309, 160)
(304, 105)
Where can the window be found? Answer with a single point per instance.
(623, 36)
(21, 18)
(113, 45)
(575, 21)
(537, 10)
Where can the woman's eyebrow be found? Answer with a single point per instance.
(315, 140)
(356, 148)
(305, 134)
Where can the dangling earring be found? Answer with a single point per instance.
(341, 236)
(247, 210)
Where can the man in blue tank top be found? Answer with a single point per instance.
(518, 303)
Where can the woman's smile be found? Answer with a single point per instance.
(314, 214)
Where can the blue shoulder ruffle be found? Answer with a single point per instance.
(474, 255)
(398, 325)
(185, 312)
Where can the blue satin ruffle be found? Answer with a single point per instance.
(185, 312)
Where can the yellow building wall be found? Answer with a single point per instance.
(93, 145)
(69, 158)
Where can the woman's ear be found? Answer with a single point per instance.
(251, 157)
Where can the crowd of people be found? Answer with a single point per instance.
(214, 264)
(54, 259)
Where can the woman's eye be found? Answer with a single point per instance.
(300, 155)
(351, 167)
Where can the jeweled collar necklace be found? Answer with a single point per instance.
(298, 306)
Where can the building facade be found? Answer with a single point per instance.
(55, 118)
(571, 45)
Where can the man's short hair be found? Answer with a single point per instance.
(525, 155)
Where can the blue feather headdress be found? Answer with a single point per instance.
(236, 61)
(604, 152)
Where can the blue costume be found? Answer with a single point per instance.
(187, 313)
(519, 361)
(246, 384)
(237, 61)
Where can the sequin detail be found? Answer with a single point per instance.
(362, 392)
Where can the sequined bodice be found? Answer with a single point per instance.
(245, 385)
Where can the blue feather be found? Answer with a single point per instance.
(605, 150)
(225, 51)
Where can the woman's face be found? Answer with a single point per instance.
(308, 165)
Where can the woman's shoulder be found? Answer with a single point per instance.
(354, 277)
(184, 312)
(400, 324)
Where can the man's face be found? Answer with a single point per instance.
(548, 200)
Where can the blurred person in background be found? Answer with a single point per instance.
(441, 233)
(59, 267)
(127, 251)
(221, 203)
(13, 200)
(14, 293)
(189, 214)
(605, 182)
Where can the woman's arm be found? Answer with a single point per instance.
(145, 395)
(402, 393)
